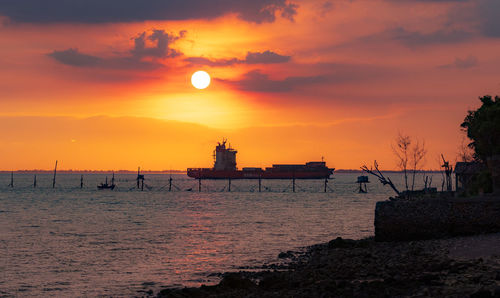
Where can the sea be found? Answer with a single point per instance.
(71, 241)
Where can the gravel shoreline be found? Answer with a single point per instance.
(455, 267)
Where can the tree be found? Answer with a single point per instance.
(465, 152)
(418, 153)
(483, 128)
(409, 157)
(402, 150)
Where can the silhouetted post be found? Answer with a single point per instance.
(293, 183)
(199, 184)
(54, 179)
(138, 175)
(170, 184)
(326, 183)
(11, 179)
(34, 182)
(229, 184)
(81, 182)
(260, 182)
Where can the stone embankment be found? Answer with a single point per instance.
(402, 220)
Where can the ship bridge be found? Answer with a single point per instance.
(225, 157)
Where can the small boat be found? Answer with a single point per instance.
(105, 185)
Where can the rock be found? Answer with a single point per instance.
(236, 281)
(482, 293)
(341, 243)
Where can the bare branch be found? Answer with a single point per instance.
(380, 176)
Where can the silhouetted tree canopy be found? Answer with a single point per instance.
(483, 128)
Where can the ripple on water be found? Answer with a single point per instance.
(72, 242)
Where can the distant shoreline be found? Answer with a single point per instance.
(36, 171)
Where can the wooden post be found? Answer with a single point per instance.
(199, 184)
(326, 183)
(293, 184)
(260, 183)
(34, 182)
(170, 184)
(81, 182)
(54, 179)
(138, 175)
(11, 179)
(229, 185)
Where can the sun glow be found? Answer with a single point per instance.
(200, 79)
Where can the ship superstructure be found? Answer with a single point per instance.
(224, 158)
(225, 168)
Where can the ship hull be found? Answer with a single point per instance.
(206, 173)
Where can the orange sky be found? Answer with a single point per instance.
(109, 87)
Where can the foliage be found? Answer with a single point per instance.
(483, 128)
(480, 183)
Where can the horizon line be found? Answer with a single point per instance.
(123, 171)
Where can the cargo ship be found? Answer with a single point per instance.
(225, 168)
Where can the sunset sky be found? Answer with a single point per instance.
(106, 84)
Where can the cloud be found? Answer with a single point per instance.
(98, 11)
(266, 57)
(162, 49)
(326, 74)
(467, 62)
(212, 62)
(259, 82)
(487, 15)
(481, 16)
(74, 58)
(134, 60)
(414, 38)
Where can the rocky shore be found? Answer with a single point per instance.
(455, 267)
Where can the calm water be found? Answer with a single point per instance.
(83, 242)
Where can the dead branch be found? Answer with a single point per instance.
(380, 176)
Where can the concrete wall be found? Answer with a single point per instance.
(436, 218)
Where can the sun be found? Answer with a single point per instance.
(200, 79)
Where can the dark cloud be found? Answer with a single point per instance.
(212, 62)
(463, 63)
(162, 49)
(432, 0)
(414, 38)
(134, 60)
(266, 57)
(488, 16)
(74, 58)
(327, 73)
(480, 16)
(102, 11)
(259, 82)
